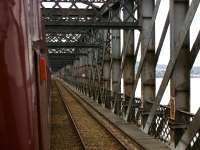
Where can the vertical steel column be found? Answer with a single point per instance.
(74, 69)
(73, 75)
(116, 69)
(180, 81)
(65, 71)
(90, 64)
(129, 68)
(95, 74)
(80, 68)
(106, 65)
(84, 64)
(95, 66)
(129, 71)
(87, 68)
(148, 71)
(90, 71)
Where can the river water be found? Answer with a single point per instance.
(195, 93)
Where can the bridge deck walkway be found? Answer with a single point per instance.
(130, 129)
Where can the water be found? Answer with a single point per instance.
(195, 93)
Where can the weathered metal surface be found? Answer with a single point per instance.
(151, 29)
(148, 69)
(180, 78)
(129, 66)
(182, 34)
(116, 69)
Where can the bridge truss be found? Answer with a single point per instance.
(84, 40)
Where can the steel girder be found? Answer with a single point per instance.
(61, 50)
(90, 17)
(72, 24)
(73, 3)
(67, 12)
(158, 118)
(72, 45)
(71, 40)
(54, 37)
(89, 24)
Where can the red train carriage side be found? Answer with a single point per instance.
(23, 94)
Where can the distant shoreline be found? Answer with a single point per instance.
(190, 77)
(161, 68)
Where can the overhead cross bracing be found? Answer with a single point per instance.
(79, 24)
(84, 14)
(72, 40)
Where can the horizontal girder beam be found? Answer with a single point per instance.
(85, 25)
(70, 57)
(67, 12)
(61, 54)
(91, 1)
(61, 57)
(68, 30)
(59, 62)
(66, 54)
(59, 66)
(73, 45)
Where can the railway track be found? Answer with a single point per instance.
(93, 135)
(96, 133)
(64, 135)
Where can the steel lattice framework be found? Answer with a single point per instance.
(84, 36)
(78, 24)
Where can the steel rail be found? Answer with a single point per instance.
(75, 95)
(100, 123)
(67, 110)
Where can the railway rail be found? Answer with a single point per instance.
(94, 130)
(64, 133)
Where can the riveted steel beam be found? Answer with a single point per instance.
(67, 12)
(128, 66)
(72, 45)
(85, 25)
